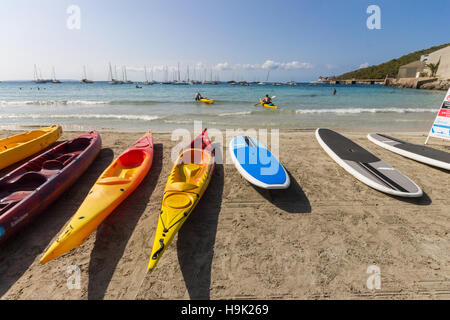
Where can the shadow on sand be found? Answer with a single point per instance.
(196, 239)
(292, 199)
(113, 234)
(20, 251)
(424, 200)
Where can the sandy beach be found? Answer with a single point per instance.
(313, 241)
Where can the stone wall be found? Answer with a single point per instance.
(418, 83)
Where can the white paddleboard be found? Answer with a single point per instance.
(433, 157)
(365, 166)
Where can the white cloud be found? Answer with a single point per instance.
(226, 66)
(297, 65)
(199, 65)
(247, 66)
(364, 65)
(222, 66)
(158, 68)
(269, 64)
(331, 66)
(161, 68)
(273, 65)
(136, 69)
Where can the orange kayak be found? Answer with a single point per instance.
(115, 184)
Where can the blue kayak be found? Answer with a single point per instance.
(257, 164)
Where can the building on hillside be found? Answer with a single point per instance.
(443, 54)
(424, 58)
(411, 70)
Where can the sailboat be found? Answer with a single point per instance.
(54, 77)
(177, 77)
(188, 81)
(124, 75)
(112, 80)
(264, 83)
(85, 79)
(146, 82)
(38, 76)
(151, 76)
(166, 76)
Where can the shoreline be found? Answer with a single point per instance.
(427, 83)
(315, 240)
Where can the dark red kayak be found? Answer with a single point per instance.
(28, 190)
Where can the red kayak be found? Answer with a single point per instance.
(28, 190)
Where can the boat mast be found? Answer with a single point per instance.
(110, 72)
(36, 78)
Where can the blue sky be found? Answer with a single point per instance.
(296, 40)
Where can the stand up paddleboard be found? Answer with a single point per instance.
(433, 157)
(365, 166)
(257, 164)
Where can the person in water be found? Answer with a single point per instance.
(267, 100)
(198, 96)
(334, 92)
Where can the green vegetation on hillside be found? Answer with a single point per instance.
(388, 68)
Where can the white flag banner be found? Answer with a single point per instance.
(441, 126)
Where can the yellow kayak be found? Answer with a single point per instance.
(267, 105)
(208, 101)
(115, 184)
(21, 146)
(188, 180)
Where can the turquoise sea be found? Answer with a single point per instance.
(164, 107)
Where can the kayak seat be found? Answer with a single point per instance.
(16, 197)
(133, 158)
(190, 170)
(28, 181)
(65, 159)
(181, 186)
(113, 181)
(52, 165)
(79, 144)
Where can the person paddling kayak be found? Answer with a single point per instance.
(198, 96)
(267, 100)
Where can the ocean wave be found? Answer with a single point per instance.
(53, 102)
(119, 102)
(178, 121)
(240, 113)
(80, 116)
(365, 110)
